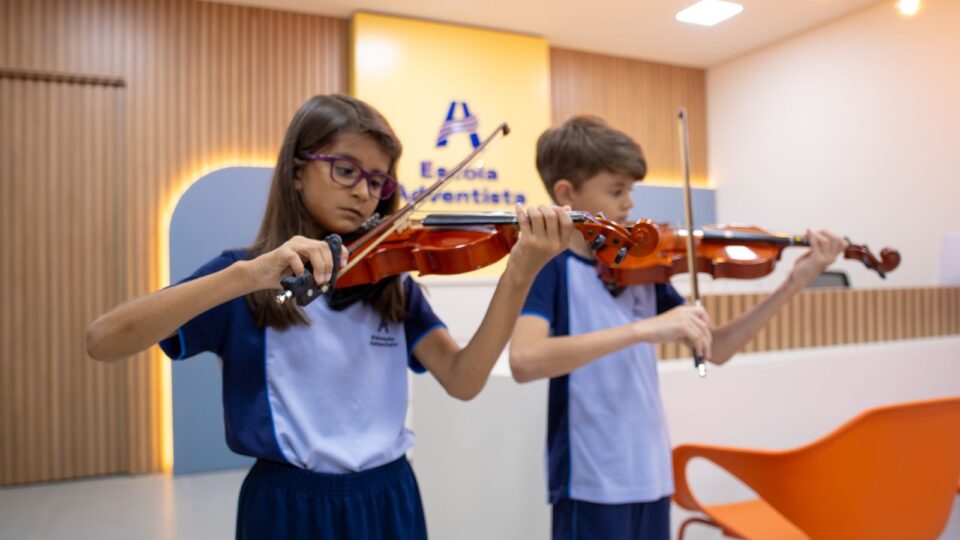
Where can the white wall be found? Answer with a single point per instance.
(850, 127)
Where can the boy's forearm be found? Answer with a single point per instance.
(140, 323)
(557, 356)
(733, 336)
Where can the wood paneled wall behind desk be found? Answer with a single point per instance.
(823, 318)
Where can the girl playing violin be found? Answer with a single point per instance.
(319, 394)
(608, 454)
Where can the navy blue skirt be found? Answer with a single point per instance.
(282, 501)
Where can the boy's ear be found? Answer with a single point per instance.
(564, 192)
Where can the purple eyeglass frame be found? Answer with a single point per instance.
(386, 191)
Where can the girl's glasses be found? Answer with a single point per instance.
(348, 173)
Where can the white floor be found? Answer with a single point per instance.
(155, 507)
(200, 506)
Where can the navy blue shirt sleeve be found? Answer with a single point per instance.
(421, 320)
(207, 331)
(542, 298)
(667, 298)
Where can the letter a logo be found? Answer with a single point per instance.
(467, 124)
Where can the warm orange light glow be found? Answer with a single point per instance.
(178, 188)
(697, 182)
(909, 8)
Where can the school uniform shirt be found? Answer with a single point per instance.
(330, 397)
(607, 438)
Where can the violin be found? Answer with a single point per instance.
(462, 242)
(734, 251)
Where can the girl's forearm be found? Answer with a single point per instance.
(136, 325)
(472, 365)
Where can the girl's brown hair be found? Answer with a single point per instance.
(316, 125)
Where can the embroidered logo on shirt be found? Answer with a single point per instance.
(380, 340)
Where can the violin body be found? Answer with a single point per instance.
(730, 251)
(431, 251)
(460, 243)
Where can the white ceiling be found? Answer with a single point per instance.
(644, 29)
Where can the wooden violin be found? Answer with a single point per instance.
(463, 242)
(733, 251)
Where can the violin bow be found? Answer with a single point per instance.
(698, 362)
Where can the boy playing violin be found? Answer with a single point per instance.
(608, 453)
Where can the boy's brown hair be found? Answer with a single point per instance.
(584, 146)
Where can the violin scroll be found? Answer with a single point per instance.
(888, 261)
(611, 242)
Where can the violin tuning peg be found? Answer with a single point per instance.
(598, 242)
(621, 255)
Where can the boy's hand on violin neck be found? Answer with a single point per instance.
(825, 247)
(688, 324)
(545, 231)
(267, 269)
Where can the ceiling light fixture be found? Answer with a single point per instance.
(709, 12)
(909, 8)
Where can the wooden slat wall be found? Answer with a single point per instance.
(640, 98)
(62, 416)
(820, 318)
(200, 83)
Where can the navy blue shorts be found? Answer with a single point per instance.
(581, 520)
(282, 501)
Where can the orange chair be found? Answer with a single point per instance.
(891, 472)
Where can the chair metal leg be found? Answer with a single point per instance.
(704, 521)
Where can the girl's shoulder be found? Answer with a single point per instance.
(225, 259)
